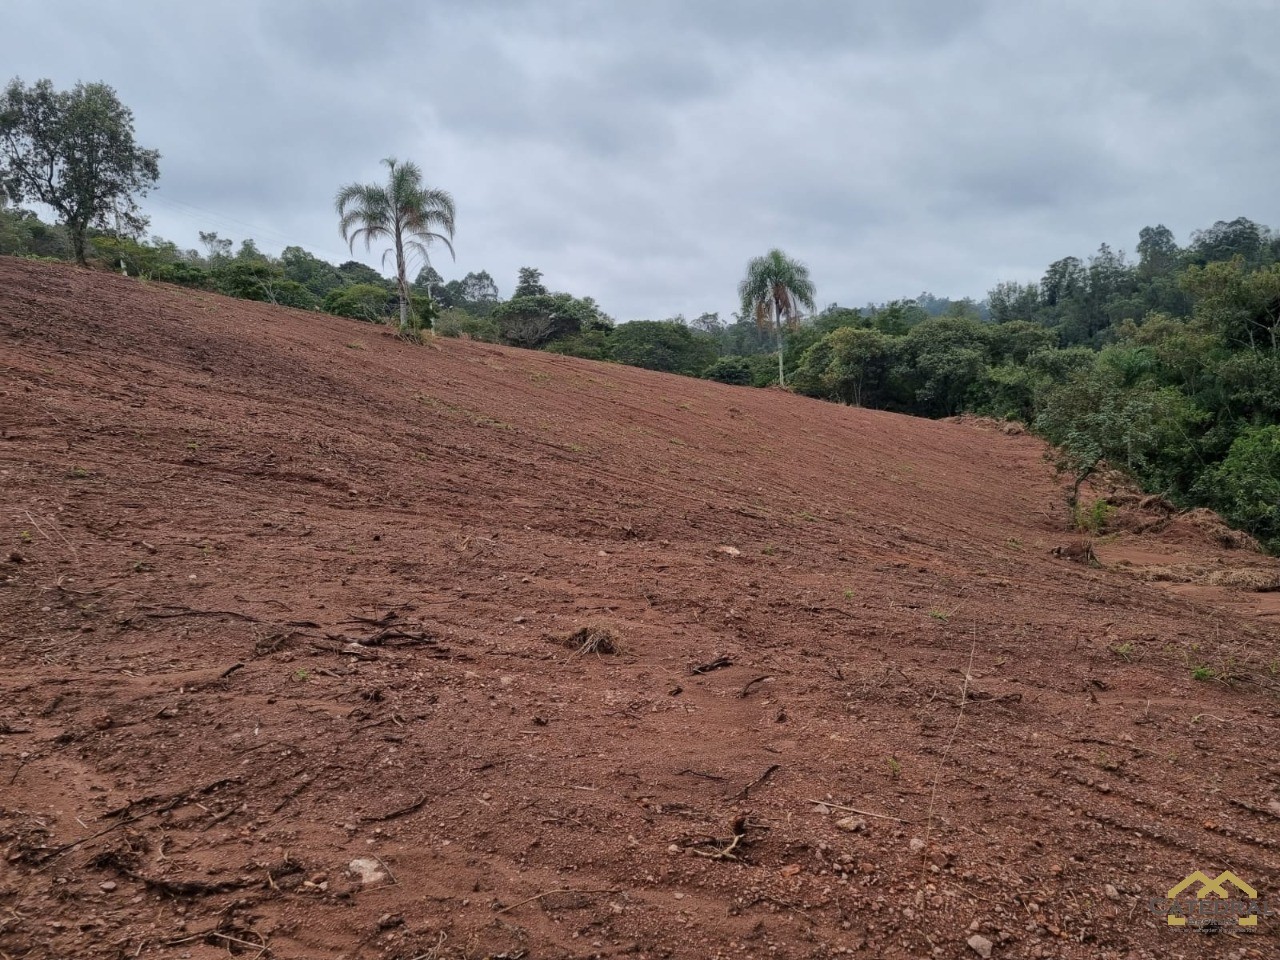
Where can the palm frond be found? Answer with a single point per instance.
(775, 280)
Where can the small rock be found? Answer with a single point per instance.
(916, 844)
(729, 551)
(980, 945)
(389, 920)
(367, 870)
(673, 849)
(852, 824)
(1111, 892)
(1274, 807)
(107, 886)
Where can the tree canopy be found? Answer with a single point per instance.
(74, 152)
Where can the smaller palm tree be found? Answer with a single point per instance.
(773, 291)
(402, 211)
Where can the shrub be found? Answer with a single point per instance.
(733, 370)
(361, 301)
(1245, 487)
(458, 323)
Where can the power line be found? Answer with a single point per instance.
(209, 218)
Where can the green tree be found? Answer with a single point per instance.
(315, 274)
(74, 152)
(773, 291)
(360, 301)
(733, 370)
(534, 321)
(1245, 487)
(529, 284)
(663, 345)
(851, 365)
(403, 211)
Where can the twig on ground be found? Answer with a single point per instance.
(738, 829)
(549, 893)
(171, 613)
(864, 813)
(173, 802)
(742, 794)
(946, 753)
(746, 688)
(399, 812)
(716, 664)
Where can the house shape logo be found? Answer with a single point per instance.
(1217, 887)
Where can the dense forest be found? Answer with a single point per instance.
(1167, 366)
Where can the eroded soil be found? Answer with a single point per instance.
(279, 593)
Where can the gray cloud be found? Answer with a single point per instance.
(642, 153)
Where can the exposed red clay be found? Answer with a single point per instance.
(279, 593)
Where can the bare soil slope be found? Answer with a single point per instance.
(282, 593)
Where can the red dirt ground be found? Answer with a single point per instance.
(282, 592)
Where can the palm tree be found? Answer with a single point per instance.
(402, 211)
(775, 288)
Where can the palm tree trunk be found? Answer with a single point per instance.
(402, 283)
(777, 323)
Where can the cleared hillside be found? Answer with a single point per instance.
(282, 592)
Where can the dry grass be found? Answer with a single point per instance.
(596, 639)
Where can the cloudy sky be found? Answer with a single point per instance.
(640, 153)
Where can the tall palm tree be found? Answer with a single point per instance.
(775, 289)
(402, 211)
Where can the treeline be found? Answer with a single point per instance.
(1166, 366)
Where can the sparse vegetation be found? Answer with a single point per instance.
(592, 640)
(1093, 519)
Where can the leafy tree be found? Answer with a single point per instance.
(24, 234)
(773, 291)
(850, 365)
(1245, 487)
(310, 271)
(536, 320)
(453, 322)
(942, 359)
(662, 345)
(402, 211)
(529, 284)
(217, 247)
(1158, 252)
(479, 292)
(732, 370)
(74, 152)
(353, 271)
(1241, 306)
(249, 253)
(591, 344)
(254, 279)
(1240, 237)
(360, 301)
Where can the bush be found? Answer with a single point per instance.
(458, 323)
(361, 301)
(662, 345)
(589, 345)
(1245, 487)
(537, 320)
(733, 370)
